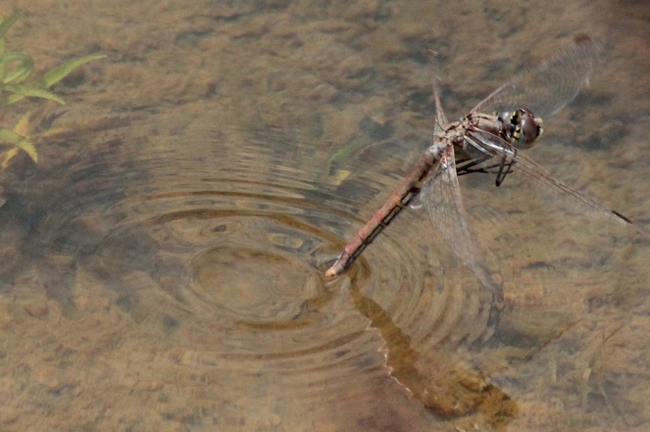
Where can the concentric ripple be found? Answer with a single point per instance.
(209, 256)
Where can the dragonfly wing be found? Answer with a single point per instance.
(442, 198)
(522, 163)
(441, 119)
(547, 88)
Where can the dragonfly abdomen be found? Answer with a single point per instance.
(385, 215)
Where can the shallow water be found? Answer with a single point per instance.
(164, 260)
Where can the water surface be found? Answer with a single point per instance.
(163, 263)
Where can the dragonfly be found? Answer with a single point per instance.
(489, 139)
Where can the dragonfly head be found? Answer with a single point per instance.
(524, 128)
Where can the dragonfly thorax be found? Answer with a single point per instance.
(521, 127)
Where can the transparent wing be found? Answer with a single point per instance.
(522, 163)
(442, 198)
(547, 88)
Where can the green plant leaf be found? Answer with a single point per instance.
(10, 155)
(48, 79)
(21, 92)
(12, 137)
(19, 73)
(58, 73)
(11, 75)
(6, 24)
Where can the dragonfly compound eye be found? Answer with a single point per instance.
(527, 128)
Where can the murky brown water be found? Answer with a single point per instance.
(163, 263)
